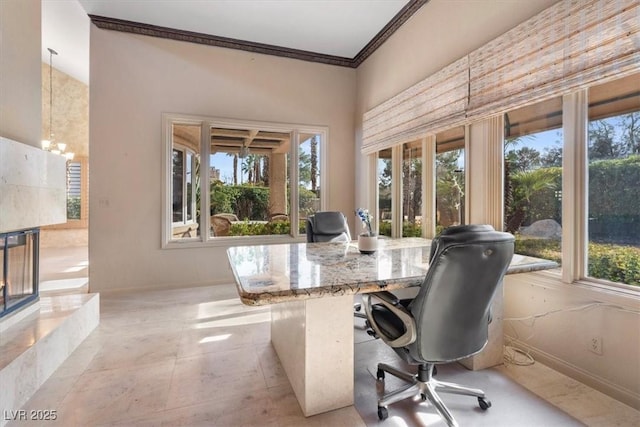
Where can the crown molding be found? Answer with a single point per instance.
(396, 22)
(387, 31)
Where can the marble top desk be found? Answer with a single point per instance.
(311, 287)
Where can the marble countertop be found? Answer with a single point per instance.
(267, 274)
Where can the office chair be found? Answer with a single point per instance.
(327, 226)
(448, 320)
(330, 226)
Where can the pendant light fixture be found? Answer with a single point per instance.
(51, 144)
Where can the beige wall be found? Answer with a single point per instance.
(134, 79)
(441, 32)
(20, 60)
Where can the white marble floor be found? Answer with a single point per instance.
(198, 357)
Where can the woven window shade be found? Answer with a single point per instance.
(570, 45)
(434, 104)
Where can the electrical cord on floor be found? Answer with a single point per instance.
(516, 356)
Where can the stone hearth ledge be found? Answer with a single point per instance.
(31, 350)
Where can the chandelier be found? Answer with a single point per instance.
(51, 144)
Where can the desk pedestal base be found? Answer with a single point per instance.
(314, 341)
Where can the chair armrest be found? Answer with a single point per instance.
(391, 302)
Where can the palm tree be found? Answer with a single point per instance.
(235, 169)
(526, 184)
(314, 163)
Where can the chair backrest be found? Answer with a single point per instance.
(452, 307)
(229, 216)
(220, 225)
(328, 226)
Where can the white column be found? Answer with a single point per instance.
(429, 187)
(396, 191)
(484, 198)
(575, 117)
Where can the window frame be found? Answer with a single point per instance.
(575, 121)
(206, 123)
(186, 151)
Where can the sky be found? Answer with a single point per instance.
(224, 162)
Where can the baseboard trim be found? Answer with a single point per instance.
(612, 390)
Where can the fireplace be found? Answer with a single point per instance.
(19, 269)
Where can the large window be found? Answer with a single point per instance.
(249, 182)
(185, 181)
(384, 167)
(412, 189)
(533, 178)
(450, 178)
(309, 165)
(614, 181)
(255, 174)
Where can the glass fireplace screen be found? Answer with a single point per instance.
(19, 269)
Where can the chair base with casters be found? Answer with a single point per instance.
(425, 385)
(357, 311)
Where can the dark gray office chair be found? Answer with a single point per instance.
(327, 226)
(330, 226)
(449, 317)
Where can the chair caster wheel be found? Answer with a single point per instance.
(435, 371)
(484, 403)
(423, 396)
(380, 374)
(383, 414)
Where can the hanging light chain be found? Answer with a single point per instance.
(51, 53)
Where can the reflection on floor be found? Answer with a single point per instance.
(198, 357)
(64, 270)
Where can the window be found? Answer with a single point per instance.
(309, 189)
(256, 173)
(613, 209)
(185, 179)
(384, 192)
(77, 195)
(74, 190)
(533, 178)
(412, 189)
(450, 178)
(249, 183)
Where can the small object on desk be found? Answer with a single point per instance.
(367, 244)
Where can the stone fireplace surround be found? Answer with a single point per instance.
(37, 339)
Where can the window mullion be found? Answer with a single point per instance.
(294, 203)
(574, 185)
(205, 181)
(396, 192)
(429, 187)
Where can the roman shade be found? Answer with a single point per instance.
(436, 103)
(570, 45)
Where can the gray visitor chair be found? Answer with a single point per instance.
(448, 320)
(330, 226)
(327, 226)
